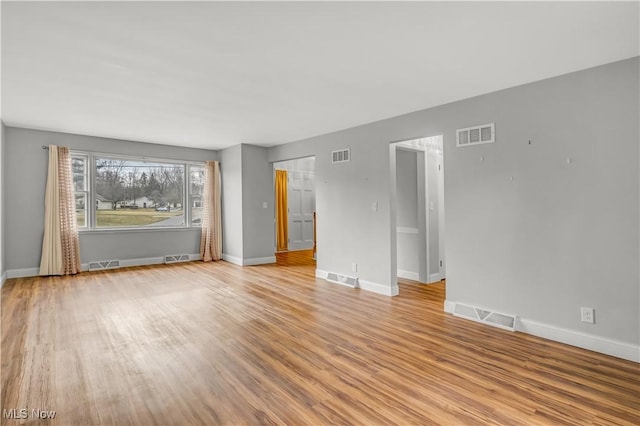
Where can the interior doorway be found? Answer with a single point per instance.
(295, 205)
(418, 172)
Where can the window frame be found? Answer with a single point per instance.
(90, 191)
(87, 189)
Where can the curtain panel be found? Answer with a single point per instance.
(211, 239)
(61, 243)
(282, 220)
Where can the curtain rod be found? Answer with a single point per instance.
(45, 147)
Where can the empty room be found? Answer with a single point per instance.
(309, 213)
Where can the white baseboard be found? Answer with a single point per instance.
(408, 275)
(365, 285)
(124, 263)
(591, 342)
(24, 272)
(449, 306)
(248, 262)
(258, 261)
(434, 278)
(321, 274)
(379, 288)
(582, 340)
(231, 259)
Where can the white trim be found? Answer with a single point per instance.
(442, 269)
(407, 230)
(321, 274)
(248, 262)
(258, 261)
(232, 259)
(3, 278)
(434, 278)
(591, 342)
(449, 306)
(379, 288)
(23, 272)
(408, 275)
(366, 285)
(124, 263)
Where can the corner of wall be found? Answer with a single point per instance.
(3, 273)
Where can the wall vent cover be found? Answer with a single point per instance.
(175, 258)
(341, 156)
(476, 135)
(504, 321)
(104, 264)
(343, 279)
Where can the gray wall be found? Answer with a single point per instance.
(349, 230)
(526, 233)
(231, 171)
(407, 185)
(258, 235)
(247, 182)
(407, 210)
(25, 194)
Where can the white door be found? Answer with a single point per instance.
(301, 203)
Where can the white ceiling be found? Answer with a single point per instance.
(214, 74)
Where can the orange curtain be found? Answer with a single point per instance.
(282, 232)
(61, 244)
(211, 238)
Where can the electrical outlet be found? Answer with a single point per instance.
(588, 315)
(354, 267)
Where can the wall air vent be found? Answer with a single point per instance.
(504, 321)
(332, 277)
(476, 135)
(104, 264)
(175, 258)
(341, 156)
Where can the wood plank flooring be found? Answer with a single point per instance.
(217, 343)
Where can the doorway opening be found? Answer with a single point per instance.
(295, 210)
(418, 203)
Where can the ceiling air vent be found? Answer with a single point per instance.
(476, 135)
(341, 156)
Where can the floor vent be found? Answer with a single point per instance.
(175, 258)
(104, 264)
(504, 321)
(343, 279)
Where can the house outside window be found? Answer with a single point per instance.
(131, 192)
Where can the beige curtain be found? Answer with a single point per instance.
(211, 239)
(282, 221)
(61, 245)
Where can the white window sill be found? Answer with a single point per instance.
(137, 230)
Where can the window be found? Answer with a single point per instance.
(196, 182)
(80, 185)
(136, 192)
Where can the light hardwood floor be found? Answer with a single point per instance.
(217, 343)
